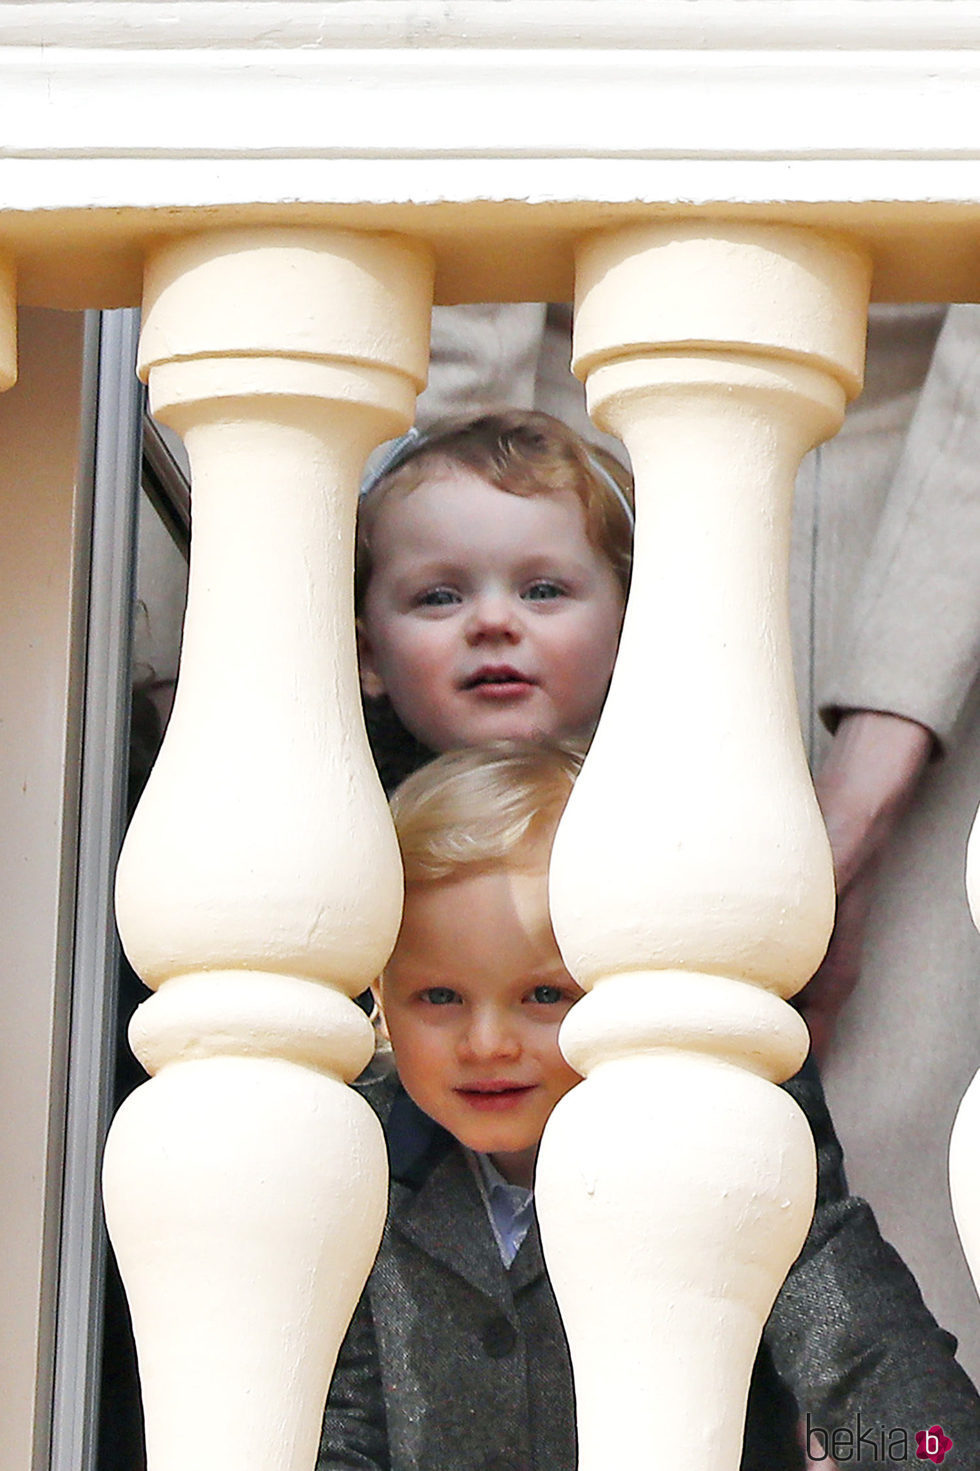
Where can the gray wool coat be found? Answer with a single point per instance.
(454, 1363)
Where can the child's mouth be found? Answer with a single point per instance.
(494, 1097)
(500, 680)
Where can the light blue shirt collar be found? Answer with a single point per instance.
(509, 1207)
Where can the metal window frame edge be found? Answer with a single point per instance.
(115, 402)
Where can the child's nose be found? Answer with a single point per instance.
(493, 616)
(490, 1034)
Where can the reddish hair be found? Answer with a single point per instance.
(524, 453)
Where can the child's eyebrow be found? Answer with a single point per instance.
(536, 562)
(549, 972)
(437, 563)
(415, 974)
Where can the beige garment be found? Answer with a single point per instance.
(483, 357)
(516, 355)
(885, 608)
(887, 555)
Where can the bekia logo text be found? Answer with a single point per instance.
(857, 1442)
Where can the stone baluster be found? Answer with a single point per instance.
(691, 883)
(260, 886)
(964, 1143)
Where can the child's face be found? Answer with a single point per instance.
(473, 997)
(488, 615)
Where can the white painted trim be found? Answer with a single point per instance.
(317, 104)
(704, 25)
(136, 81)
(379, 195)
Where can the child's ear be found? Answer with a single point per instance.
(380, 1025)
(372, 685)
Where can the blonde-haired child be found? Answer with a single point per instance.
(455, 1359)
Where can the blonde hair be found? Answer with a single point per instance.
(482, 806)
(525, 453)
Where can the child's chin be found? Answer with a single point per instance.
(499, 1146)
(494, 1141)
(513, 729)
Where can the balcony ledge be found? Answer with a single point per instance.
(129, 120)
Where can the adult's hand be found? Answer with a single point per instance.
(864, 786)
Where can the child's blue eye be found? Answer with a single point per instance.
(440, 995)
(437, 597)
(548, 995)
(543, 590)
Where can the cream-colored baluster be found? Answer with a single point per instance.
(964, 1143)
(260, 886)
(691, 883)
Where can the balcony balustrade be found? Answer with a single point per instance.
(286, 188)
